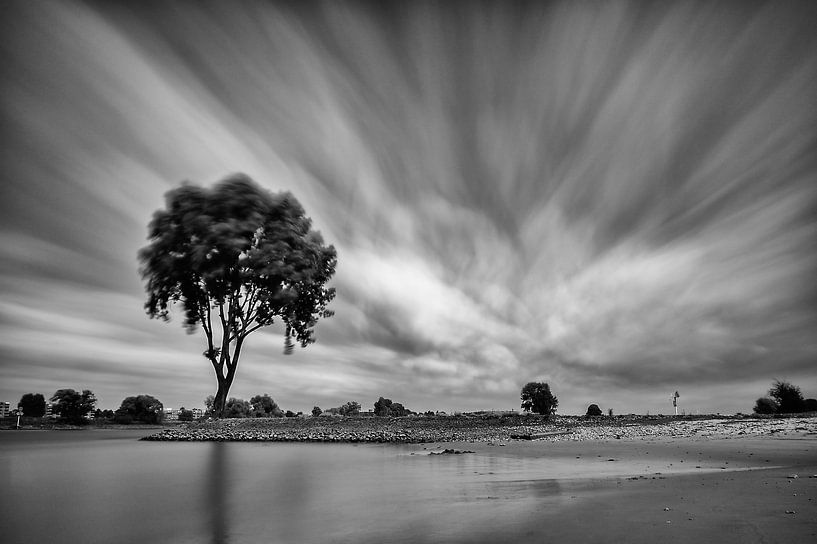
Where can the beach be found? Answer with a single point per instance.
(660, 479)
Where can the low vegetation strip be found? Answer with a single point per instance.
(473, 429)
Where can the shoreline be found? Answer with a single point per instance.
(423, 430)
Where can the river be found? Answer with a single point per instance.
(107, 486)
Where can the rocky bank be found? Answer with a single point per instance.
(424, 429)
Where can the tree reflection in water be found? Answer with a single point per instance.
(216, 492)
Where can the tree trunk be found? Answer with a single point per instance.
(220, 401)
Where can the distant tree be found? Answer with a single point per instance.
(351, 408)
(810, 405)
(382, 407)
(33, 405)
(316, 411)
(141, 408)
(237, 408)
(333, 411)
(71, 406)
(235, 257)
(593, 410)
(290, 413)
(264, 406)
(185, 414)
(209, 402)
(387, 408)
(610, 412)
(765, 405)
(789, 398)
(537, 398)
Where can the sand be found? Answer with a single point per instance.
(672, 490)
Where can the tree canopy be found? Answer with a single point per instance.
(537, 398)
(33, 405)
(72, 406)
(236, 257)
(264, 406)
(141, 408)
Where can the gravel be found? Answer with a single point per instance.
(425, 429)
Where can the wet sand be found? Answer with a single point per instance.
(672, 490)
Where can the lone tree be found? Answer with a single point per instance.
(236, 256)
(537, 398)
(33, 405)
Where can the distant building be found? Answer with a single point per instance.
(197, 413)
(171, 414)
(5, 409)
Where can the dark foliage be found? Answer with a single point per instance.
(71, 406)
(141, 408)
(351, 408)
(593, 410)
(316, 411)
(537, 398)
(235, 257)
(788, 397)
(387, 408)
(103, 414)
(185, 414)
(237, 408)
(264, 406)
(33, 405)
(765, 405)
(810, 405)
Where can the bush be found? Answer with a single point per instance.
(316, 411)
(351, 408)
(810, 405)
(593, 410)
(264, 406)
(788, 397)
(237, 408)
(765, 405)
(185, 414)
(387, 408)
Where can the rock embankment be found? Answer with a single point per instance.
(479, 429)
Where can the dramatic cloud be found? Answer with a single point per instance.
(620, 199)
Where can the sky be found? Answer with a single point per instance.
(619, 199)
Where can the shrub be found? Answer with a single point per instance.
(810, 405)
(264, 406)
(316, 411)
(237, 408)
(185, 414)
(788, 397)
(593, 410)
(765, 405)
(351, 408)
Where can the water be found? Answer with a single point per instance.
(106, 486)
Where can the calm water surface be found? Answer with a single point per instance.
(106, 486)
